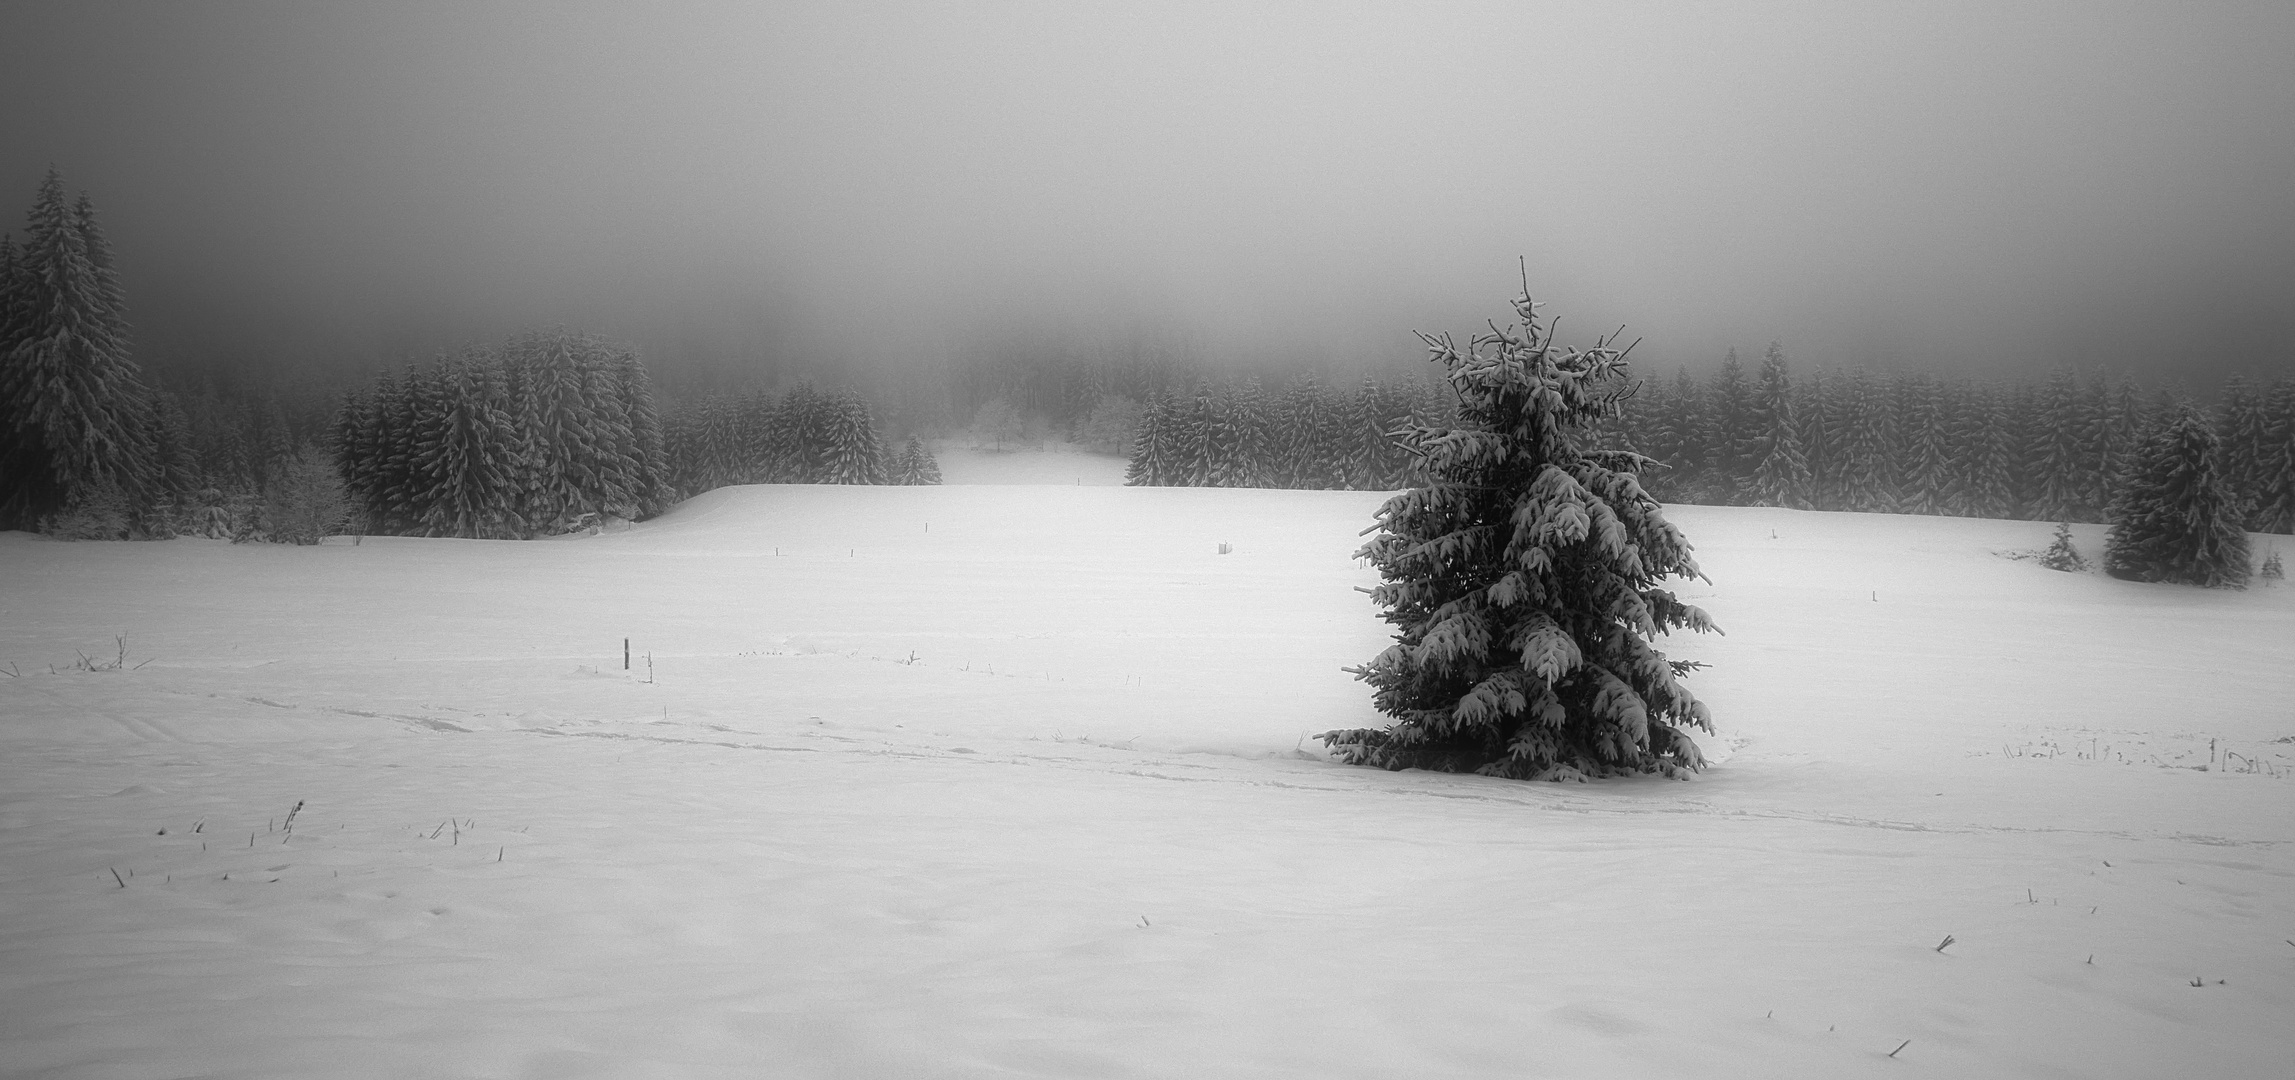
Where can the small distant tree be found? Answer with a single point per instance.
(1155, 460)
(2172, 519)
(1780, 468)
(1112, 425)
(2061, 555)
(1522, 580)
(915, 464)
(2273, 570)
(1733, 432)
(999, 423)
(305, 502)
(851, 454)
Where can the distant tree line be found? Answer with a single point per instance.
(544, 434)
(802, 436)
(1303, 436)
(551, 430)
(2060, 450)
(90, 449)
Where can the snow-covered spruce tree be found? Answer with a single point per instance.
(851, 452)
(1000, 424)
(1196, 434)
(1866, 433)
(1523, 582)
(713, 445)
(73, 408)
(2060, 463)
(2274, 486)
(1253, 458)
(1693, 474)
(2061, 555)
(1780, 469)
(648, 451)
(2119, 428)
(1666, 439)
(1733, 432)
(1226, 458)
(1817, 407)
(915, 465)
(1980, 481)
(2273, 570)
(1110, 425)
(174, 465)
(1429, 404)
(1360, 432)
(2173, 521)
(1927, 440)
(1147, 466)
(468, 459)
(304, 503)
(348, 435)
(2244, 425)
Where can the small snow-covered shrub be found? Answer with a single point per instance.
(2061, 555)
(97, 513)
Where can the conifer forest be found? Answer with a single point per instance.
(553, 431)
(1855, 441)
(895, 538)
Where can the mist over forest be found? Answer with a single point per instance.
(876, 195)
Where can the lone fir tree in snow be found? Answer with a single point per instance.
(2061, 555)
(2172, 519)
(2273, 570)
(1522, 581)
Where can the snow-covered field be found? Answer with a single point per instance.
(1016, 781)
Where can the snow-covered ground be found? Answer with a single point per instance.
(1017, 781)
(963, 462)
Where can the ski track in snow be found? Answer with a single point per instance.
(1033, 793)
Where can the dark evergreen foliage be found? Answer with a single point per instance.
(1152, 463)
(915, 464)
(1733, 434)
(850, 450)
(2173, 520)
(2061, 555)
(1780, 475)
(1927, 446)
(2272, 479)
(803, 436)
(548, 433)
(2061, 485)
(76, 420)
(1240, 435)
(1522, 580)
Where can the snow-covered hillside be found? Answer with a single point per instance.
(1018, 781)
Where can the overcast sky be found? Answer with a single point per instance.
(1962, 187)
